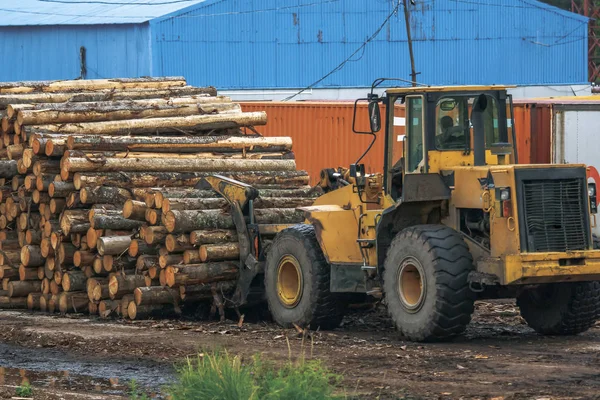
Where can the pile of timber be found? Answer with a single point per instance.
(103, 207)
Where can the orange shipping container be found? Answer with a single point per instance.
(323, 137)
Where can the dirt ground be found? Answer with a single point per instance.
(498, 358)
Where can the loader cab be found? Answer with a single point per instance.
(430, 130)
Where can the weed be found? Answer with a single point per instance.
(24, 390)
(221, 376)
(134, 392)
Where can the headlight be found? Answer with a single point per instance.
(504, 194)
(591, 189)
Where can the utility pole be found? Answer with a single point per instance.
(413, 72)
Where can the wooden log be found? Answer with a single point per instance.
(104, 195)
(83, 258)
(27, 274)
(112, 263)
(9, 272)
(178, 243)
(200, 273)
(91, 84)
(46, 166)
(180, 144)
(42, 182)
(187, 179)
(115, 222)
(8, 168)
(187, 221)
(168, 204)
(138, 247)
(154, 234)
(41, 273)
(10, 257)
(106, 308)
(113, 245)
(171, 259)
(102, 95)
(14, 151)
(155, 295)
(117, 112)
(74, 221)
(119, 286)
(22, 288)
(31, 256)
(13, 303)
(192, 256)
(65, 253)
(144, 262)
(73, 302)
(201, 292)
(93, 308)
(46, 248)
(60, 189)
(55, 287)
(51, 226)
(49, 268)
(158, 125)
(146, 311)
(73, 281)
(56, 238)
(219, 252)
(43, 305)
(135, 210)
(58, 275)
(153, 216)
(56, 206)
(98, 266)
(10, 244)
(81, 164)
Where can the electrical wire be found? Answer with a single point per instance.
(349, 58)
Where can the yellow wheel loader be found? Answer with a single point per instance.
(453, 218)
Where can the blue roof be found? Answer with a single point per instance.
(87, 12)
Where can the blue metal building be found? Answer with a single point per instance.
(264, 44)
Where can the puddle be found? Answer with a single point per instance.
(54, 369)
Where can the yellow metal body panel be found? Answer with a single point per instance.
(429, 89)
(545, 267)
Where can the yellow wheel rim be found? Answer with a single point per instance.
(289, 281)
(411, 284)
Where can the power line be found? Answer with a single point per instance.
(343, 63)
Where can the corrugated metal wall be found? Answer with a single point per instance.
(52, 52)
(292, 43)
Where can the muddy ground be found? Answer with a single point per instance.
(498, 358)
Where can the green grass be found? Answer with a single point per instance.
(24, 390)
(221, 376)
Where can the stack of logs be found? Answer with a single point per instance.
(103, 206)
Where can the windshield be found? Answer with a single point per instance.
(454, 121)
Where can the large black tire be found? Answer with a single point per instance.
(561, 308)
(443, 307)
(596, 242)
(317, 307)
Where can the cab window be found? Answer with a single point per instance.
(414, 129)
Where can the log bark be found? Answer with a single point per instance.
(10, 244)
(56, 206)
(192, 123)
(186, 221)
(154, 234)
(74, 281)
(171, 259)
(113, 245)
(73, 302)
(31, 256)
(65, 253)
(219, 252)
(14, 151)
(170, 204)
(138, 247)
(144, 262)
(119, 286)
(28, 274)
(136, 210)
(81, 164)
(192, 256)
(117, 112)
(74, 221)
(22, 288)
(83, 258)
(155, 295)
(8, 272)
(46, 166)
(114, 263)
(115, 222)
(201, 292)
(8, 169)
(145, 311)
(178, 243)
(91, 85)
(106, 308)
(187, 179)
(10, 257)
(42, 182)
(13, 303)
(104, 195)
(201, 273)
(60, 189)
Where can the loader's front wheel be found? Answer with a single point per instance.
(561, 308)
(425, 283)
(297, 281)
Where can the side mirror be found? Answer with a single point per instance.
(375, 116)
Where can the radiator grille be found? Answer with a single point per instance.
(555, 215)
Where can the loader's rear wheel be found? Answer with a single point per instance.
(297, 281)
(561, 308)
(425, 282)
